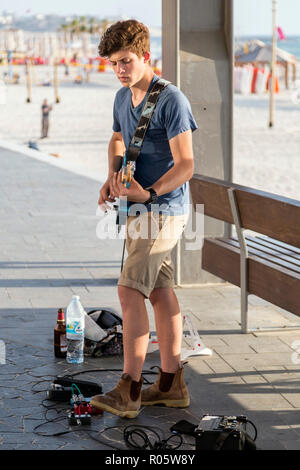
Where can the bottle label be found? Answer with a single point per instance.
(75, 328)
(63, 343)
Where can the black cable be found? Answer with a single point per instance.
(255, 429)
(89, 370)
(130, 436)
(69, 431)
(180, 439)
(102, 442)
(146, 381)
(37, 383)
(243, 419)
(58, 418)
(105, 370)
(134, 431)
(183, 441)
(123, 252)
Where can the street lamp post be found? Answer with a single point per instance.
(273, 66)
(28, 79)
(55, 80)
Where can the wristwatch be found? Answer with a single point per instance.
(153, 197)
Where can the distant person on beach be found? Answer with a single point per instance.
(66, 68)
(46, 108)
(160, 186)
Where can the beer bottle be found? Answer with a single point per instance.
(60, 338)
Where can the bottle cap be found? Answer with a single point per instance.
(60, 314)
(75, 297)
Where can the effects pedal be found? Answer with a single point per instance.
(84, 407)
(78, 420)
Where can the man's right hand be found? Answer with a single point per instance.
(107, 193)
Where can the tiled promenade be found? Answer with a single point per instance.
(49, 251)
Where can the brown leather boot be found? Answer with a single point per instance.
(175, 395)
(124, 400)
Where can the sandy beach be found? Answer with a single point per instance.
(81, 125)
(267, 158)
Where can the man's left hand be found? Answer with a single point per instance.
(135, 193)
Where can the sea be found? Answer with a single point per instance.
(155, 45)
(291, 44)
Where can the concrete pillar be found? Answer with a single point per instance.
(203, 32)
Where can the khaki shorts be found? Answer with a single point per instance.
(150, 238)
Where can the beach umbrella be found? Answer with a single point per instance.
(248, 46)
(263, 54)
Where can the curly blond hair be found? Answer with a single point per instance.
(129, 35)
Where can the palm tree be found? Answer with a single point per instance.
(79, 25)
(82, 24)
(94, 26)
(64, 28)
(74, 26)
(104, 24)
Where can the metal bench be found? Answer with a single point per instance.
(266, 264)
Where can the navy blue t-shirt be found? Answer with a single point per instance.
(171, 117)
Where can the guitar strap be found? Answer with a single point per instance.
(137, 140)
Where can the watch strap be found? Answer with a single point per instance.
(153, 196)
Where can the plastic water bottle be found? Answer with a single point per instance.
(75, 331)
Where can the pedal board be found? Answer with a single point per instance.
(88, 389)
(59, 393)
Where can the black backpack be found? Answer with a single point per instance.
(112, 344)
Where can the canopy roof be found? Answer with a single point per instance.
(261, 52)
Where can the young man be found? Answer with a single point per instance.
(45, 118)
(165, 165)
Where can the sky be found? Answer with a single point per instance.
(148, 12)
(251, 17)
(254, 17)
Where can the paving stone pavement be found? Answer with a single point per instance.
(50, 251)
